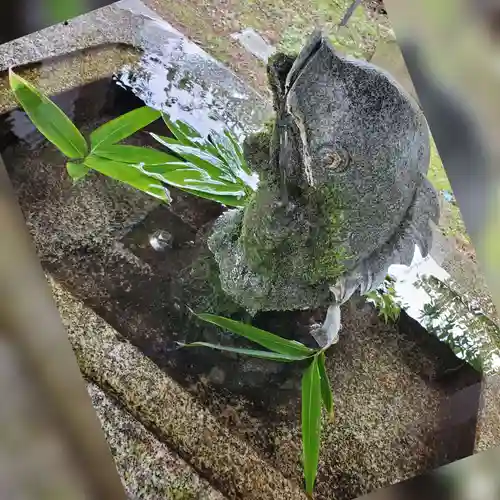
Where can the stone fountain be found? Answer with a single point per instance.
(343, 192)
(332, 211)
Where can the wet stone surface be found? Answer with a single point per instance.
(149, 470)
(342, 196)
(394, 386)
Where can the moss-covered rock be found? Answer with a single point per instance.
(274, 255)
(308, 236)
(256, 290)
(202, 288)
(342, 192)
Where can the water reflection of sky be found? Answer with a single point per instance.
(469, 333)
(183, 81)
(414, 297)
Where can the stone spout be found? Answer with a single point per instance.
(343, 192)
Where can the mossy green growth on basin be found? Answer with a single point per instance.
(303, 242)
(203, 290)
(329, 254)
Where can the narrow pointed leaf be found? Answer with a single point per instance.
(223, 146)
(226, 150)
(122, 127)
(182, 149)
(261, 337)
(189, 131)
(326, 390)
(209, 147)
(187, 176)
(182, 131)
(199, 184)
(48, 118)
(76, 170)
(128, 174)
(204, 155)
(239, 150)
(202, 159)
(135, 154)
(232, 155)
(311, 423)
(274, 356)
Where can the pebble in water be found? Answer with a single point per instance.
(161, 240)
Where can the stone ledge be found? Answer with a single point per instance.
(132, 25)
(163, 406)
(149, 470)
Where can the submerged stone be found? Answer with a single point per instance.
(343, 191)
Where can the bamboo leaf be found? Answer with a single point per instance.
(239, 151)
(261, 337)
(122, 127)
(182, 131)
(274, 356)
(128, 174)
(201, 151)
(135, 154)
(204, 160)
(48, 118)
(190, 179)
(189, 131)
(227, 148)
(76, 170)
(223, 146)
(326, 390)
(185, 175)
(311, 423)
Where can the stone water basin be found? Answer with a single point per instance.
(395, 386)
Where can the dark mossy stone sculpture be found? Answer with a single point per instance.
(343, 192)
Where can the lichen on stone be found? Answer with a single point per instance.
(202, 288)
(329, 251)
(307, 236)
(256, 149)
(342, 192)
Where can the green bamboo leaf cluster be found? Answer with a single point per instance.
(316, 389)
(386, 300)
(49, 119)
(212, 168)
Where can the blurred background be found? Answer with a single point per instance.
(26, 16)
